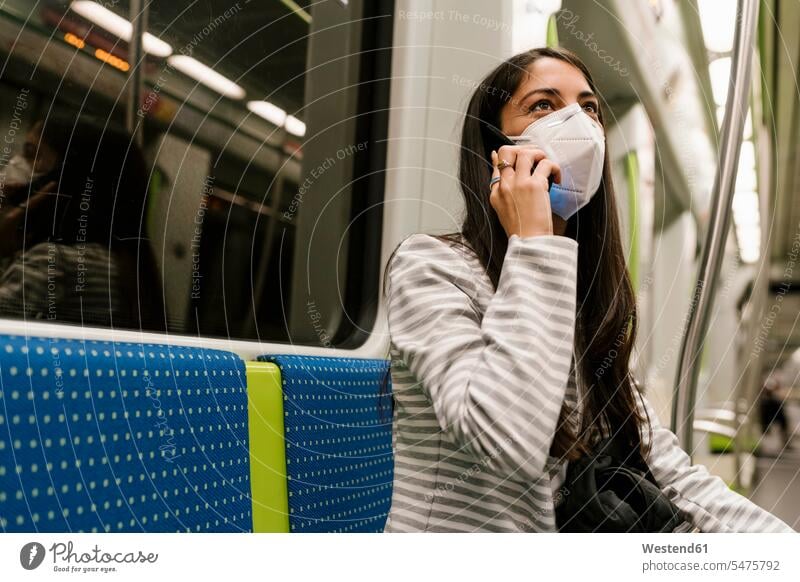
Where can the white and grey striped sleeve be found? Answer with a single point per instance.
(711, 505)
(496, 383)
(25, 287)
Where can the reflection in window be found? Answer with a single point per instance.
(70, 227)
(182, 229)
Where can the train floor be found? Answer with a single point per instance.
(777, 478)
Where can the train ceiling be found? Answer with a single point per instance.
(260, 45)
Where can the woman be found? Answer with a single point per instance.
(502, 334)
(74, 244)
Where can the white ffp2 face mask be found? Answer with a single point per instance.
(576, 142)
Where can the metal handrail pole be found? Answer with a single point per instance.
(138, 17)
(685, 392)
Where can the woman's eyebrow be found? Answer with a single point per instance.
(556, 93)
(548, 90)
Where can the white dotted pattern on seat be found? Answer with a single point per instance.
(96, 436)
(338, 447)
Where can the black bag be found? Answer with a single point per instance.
(612, 490)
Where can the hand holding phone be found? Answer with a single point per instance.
(521, 197)
(495, 139)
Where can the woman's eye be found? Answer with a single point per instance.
(542, 105)
(590, 108)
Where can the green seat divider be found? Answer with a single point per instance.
(720, 444)
(269, 491)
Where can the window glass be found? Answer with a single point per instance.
(160, 188)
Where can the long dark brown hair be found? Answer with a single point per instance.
(606, 304)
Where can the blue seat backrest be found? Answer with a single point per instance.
(101, 436)
(338, 426)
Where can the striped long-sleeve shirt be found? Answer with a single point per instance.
(479, 378)
(66, 283)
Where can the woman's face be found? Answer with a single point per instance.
(549, 85)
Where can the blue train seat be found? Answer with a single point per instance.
(338, 434)
(102, 436)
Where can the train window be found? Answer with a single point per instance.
(222, 177)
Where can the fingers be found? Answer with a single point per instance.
(495, 161)
(525, 163)
(49, 187)
(520, 197)
(509, 154)
(545, 168)
(556, 173)
(526, 158)
(41, 196)
(521, 159)
(47, 190)
(495, 173)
